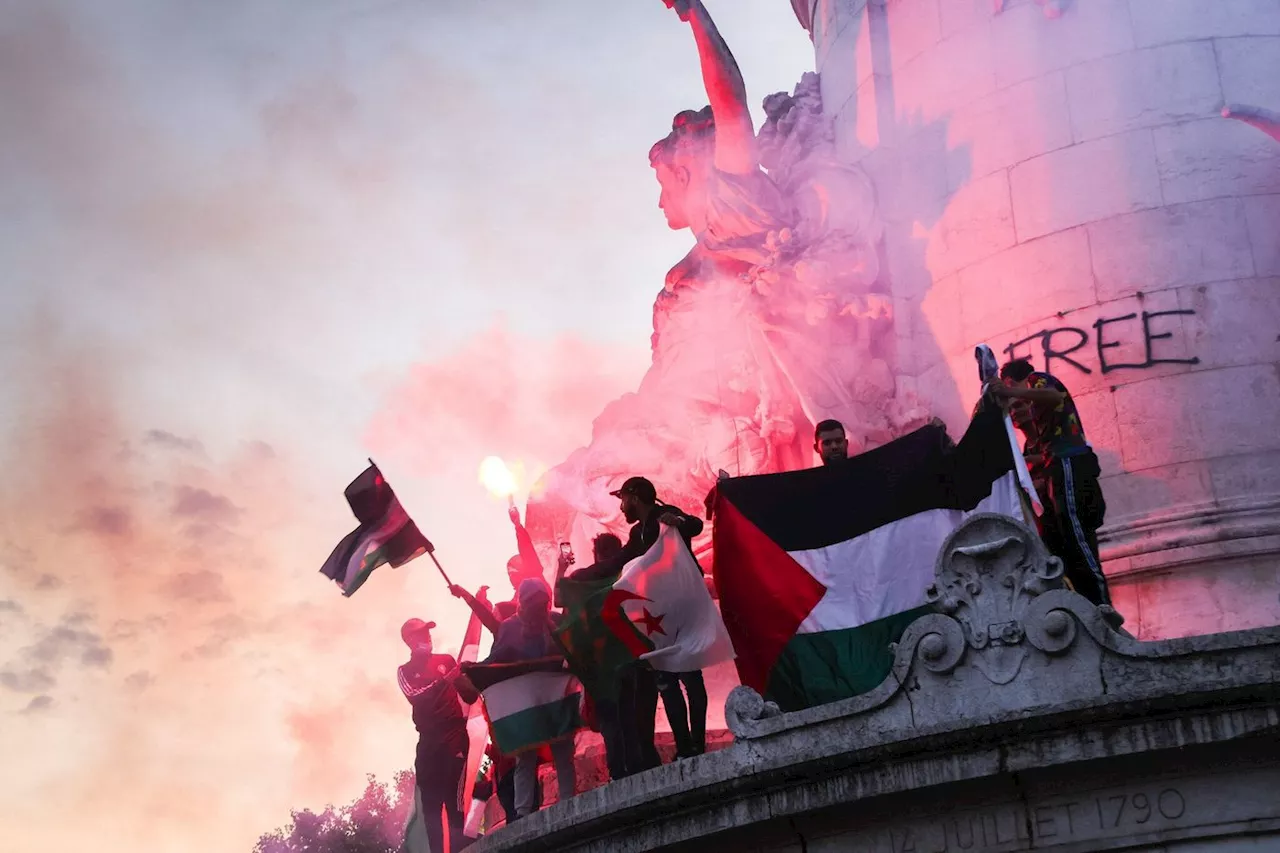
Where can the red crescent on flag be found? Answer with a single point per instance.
(620, 625)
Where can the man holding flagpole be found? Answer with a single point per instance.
(1042, 408)
(428, 682)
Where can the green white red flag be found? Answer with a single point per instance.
(663, 595)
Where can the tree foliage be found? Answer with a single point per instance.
(373, 823)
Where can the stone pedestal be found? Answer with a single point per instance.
(1056, 180)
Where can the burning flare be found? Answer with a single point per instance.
(497, 477)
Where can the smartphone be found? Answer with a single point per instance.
(566, 549)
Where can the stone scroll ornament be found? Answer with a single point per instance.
(775, 319)
(991, 581)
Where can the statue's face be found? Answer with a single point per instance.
(674, 199)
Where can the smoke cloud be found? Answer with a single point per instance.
(505, 394)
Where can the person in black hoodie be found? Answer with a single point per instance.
(640, 506)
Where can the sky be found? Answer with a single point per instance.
(246, 245)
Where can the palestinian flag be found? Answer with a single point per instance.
(386, 534)
(818, 571)
(528, 704)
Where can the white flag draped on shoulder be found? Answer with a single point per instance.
(668, 602)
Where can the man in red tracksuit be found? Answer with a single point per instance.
(427, 681)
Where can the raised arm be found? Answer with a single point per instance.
(524, 544)
(735, 135)
(479, 606)
(1035, 395)
(562, 566)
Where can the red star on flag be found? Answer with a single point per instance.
(651, 624)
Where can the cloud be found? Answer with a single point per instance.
(105, 520)
(65, 643)
(46, 581)
(28, 681)
(260, 450)
(139, 681)
(132, 629)
(169, 441)
(8, 605)
(38, 705)
(203, 505)
(203, 586)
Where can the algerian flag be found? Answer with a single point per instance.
(528, 704)
(598, 640)
(663, 595)
(386, 533)
(818, 571)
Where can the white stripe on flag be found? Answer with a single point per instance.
(887, 570)
(477, 726)
(523, 692)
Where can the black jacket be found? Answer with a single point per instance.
(645, 533)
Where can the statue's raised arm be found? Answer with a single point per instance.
(735, 147)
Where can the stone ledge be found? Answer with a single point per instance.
(1220, 520)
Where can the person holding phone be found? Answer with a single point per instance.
(623, 698)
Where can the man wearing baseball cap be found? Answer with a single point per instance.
(638, 500)
(427, 681)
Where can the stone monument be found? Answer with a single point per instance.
(776, 318)
(1057, 179)
(1015, 718)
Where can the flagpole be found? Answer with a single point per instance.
(432, 555)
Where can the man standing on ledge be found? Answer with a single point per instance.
(428, 682)
(1043, 410)
(640, 506)
(830, 442)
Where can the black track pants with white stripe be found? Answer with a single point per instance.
(1075, 511)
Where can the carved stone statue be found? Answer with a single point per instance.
(772, 322)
